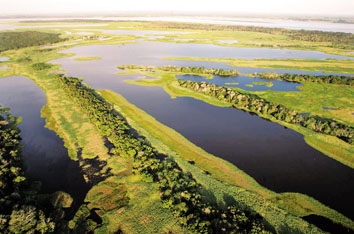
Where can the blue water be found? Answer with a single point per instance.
(329, 108)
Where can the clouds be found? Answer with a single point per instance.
(332, 7)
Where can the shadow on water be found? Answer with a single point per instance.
(327, 225)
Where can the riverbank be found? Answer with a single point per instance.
(248, 191)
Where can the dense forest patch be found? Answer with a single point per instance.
(16, 40)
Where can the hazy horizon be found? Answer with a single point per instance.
(328, 8)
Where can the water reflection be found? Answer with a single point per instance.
(46, 158)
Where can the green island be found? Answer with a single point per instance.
(86, 58)
(152, 179)
(268, 84)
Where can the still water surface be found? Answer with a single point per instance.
(46, 158)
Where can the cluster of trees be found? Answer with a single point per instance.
(300, 78)
(137, 67)
(201, 70)
(195, 70)
(180, 192)
(41, 66)
(16, 40)
(22, 208)
(255, 104)
(337, 39)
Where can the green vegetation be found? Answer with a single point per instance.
(328, 65)
(232, 83)
(268, 84)
(41, 66)
(184, 70)
(86, 58)
(15, 40)
(179, 191)
(331, 79)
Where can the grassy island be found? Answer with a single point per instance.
(86, 58)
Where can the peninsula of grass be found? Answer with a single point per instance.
(327, 66)
(232, 83)
(268, 84)
(86, 58)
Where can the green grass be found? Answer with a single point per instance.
(87, 58)
(232, 83)
(143, 214)
(268, 84)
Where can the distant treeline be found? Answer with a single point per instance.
(338, 39)
(180, 192)
(255, 104)
(196, 70)
(22, 208)
(300, 78)
(16, 40)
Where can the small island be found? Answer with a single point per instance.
(86, 58)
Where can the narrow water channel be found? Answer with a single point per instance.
(46, 158)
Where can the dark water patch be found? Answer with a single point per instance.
(276, 157)
(327, 225)
(329, 108)
(46, 158)
(94, 216)
(306, 113)
(242, 82)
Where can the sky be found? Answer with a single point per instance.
(301, 7)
